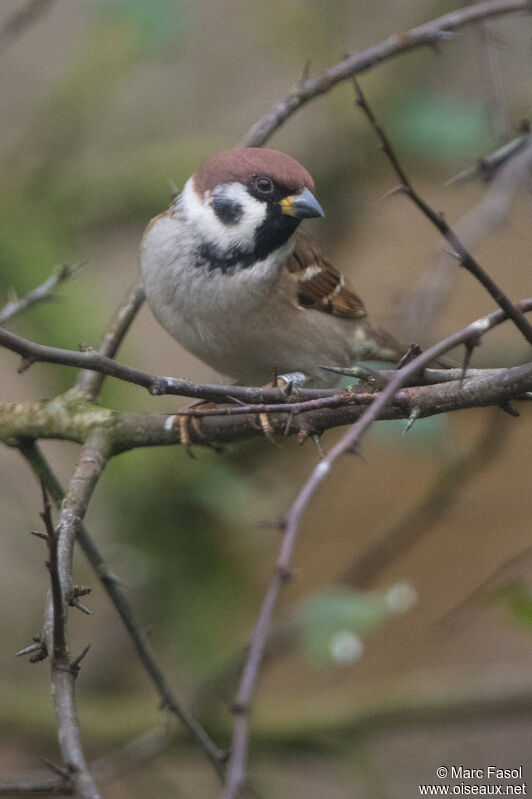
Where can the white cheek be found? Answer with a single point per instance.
(223, 236)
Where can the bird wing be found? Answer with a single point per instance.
(320, 286)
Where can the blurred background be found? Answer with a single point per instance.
(102, 106)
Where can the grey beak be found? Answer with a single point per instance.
(302, 206)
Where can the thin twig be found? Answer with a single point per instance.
(90, 383)
(42, 293)
(108, 767)
(110, 583)
(430, 34)
(32, 352)
(84, 478)
(466, 259)
(487, 166)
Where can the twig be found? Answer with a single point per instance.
(105, 768)
(51, 420)
(84, 478)
(32, 352)
(495, 95)
(466, 259)
(90, 383)
(42, 293)
(487, 166)
(43, 471)
(418, 305)
(22, 19)
(430, 34)
(236, 769)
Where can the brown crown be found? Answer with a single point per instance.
(240, 164)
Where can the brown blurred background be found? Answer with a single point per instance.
(101, 105)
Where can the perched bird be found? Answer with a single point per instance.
(230, 276)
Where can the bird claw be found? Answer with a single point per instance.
(287, 384)
(188, 423)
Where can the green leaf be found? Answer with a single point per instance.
(333, 623)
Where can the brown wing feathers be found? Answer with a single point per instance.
(320, 285)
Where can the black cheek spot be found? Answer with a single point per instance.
(228, 211)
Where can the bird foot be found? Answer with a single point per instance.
(288, 384)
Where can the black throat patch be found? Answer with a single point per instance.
(272, 234)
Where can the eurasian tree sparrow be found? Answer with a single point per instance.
(228, 274)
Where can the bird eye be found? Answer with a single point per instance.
(264, 185)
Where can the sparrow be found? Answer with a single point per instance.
(231, 276)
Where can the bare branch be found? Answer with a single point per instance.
(110, 583)
(487, 166)
(157, 385)
(111, 766)
(506, 170)
(430, 34)
(236, 769)
(42, 293)
(466, 259)
(90, 383)
(84, 478)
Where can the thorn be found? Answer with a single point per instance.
(29, 649)
(508, 408)
(288, 424)
(75, 604)
(285, 575)
(452, 254)
(305, 72)
(400, 189)
(414, 416)
(279, 524)
(81, 590)
(25, 364)
(74, 666)
(356, 451)
(340, 370)
(317, 442)
(39, 535)
(413, 351)
(56, 768)
(469, 346)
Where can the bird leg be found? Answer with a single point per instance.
(189, 421)
(288, 384)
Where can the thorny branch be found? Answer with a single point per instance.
(42, 293)
(123, 431)
(90, 383)
(108, 767)
(33, 353)
(430, 34)
(465, 258)
(111, 584)
(236, 770)
(84, 478)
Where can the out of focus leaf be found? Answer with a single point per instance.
(516, 598)
(441, 125)
(157, 22)
(333, 623)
